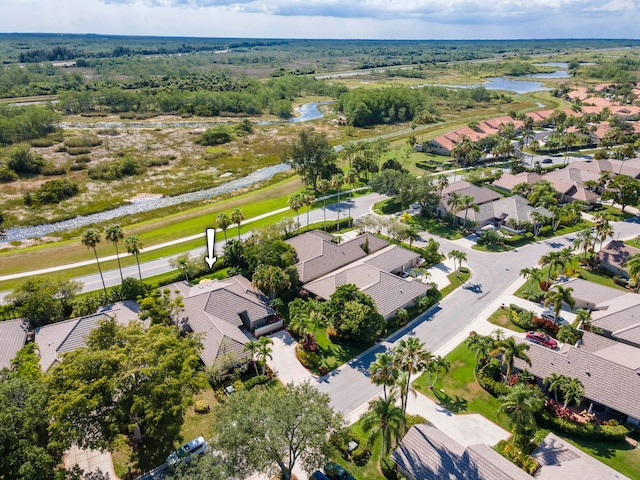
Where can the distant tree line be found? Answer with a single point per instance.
(20, 124)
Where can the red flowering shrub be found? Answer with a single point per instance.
(547, 325)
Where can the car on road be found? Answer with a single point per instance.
(547, 160)
(186, 451)
(541, 339)
(337, 472)
(318, 475)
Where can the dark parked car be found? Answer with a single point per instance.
(336, 472)
(547, 160)
(318, 475)
(542, 339)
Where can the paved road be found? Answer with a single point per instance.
(349, 387)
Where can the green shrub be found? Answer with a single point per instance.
(618, 280)
(213, 153)
(82, 141)
(119, 168)
(258, 380)
(464, 270)
(522, 319)
(52, 171)
(217, 135)
(78, 150)
(41, 142)
(307, 359)
(427, 166)
(82, 159)
(340, 441)
(156, 162)
(201, 407)
(54, 191)
(360, 456)
(584, 430)
(7, 175)
(74, 167)
(60, 148)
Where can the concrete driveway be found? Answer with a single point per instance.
(89, 460)
(285, 364)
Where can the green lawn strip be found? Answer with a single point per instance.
(456, 278)
(458, 390)
(334, 353)
(612, 213)
(492, 248)
(620, 456)
(501, 318)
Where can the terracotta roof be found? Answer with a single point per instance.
(214, 309)
(599, 102)
(616, 253)
(602, 378)
(560, 459)
(578, 93)
(12, 338)
(624, 111)
(319, 256)
(427, 453)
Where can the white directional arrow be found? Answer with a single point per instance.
(211, 241)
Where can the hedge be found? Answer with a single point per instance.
(584, 430)
(257, 380)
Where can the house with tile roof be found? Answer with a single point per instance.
(508, 181)
(13, 335)
(589, 295)
(481, 195)
(602, 372)
(380, 276)
(228, 313)
(318, 254)
(427, 453)
(614, 255)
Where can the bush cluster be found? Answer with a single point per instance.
(307, 359)
(521, 318)
(257, 380)
(119, 168)
(54, 191)
(83, 141)
(584, 430)
(201, 407)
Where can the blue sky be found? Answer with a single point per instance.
(383, 19)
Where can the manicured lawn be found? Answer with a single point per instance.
(334, 353)
(618, 455)
(612, 213)
(500, 318)
(492, 248)
(458, 390)
(456, 278)
(435, 226)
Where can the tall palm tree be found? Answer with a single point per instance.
(572, 391)
(553, 260)
(383, 419)
(252, 347)
(90, 239)
(412, 234)
(534, 274)
(382, 372)
(296, 202)
(584, 240)
(442, 182)
(114, 233)
(554, 383)
(134, 245)
(459, 257)
(222, 222)
(569, 140)
(350, 178)
(603, 228)
(510, 350)
(336, 182)
(237, 217)
(468, 202)
(633, 268)
(307, 201)
(410, 357)
(534, 146)
(324, 185)
(482, 345)
(435, 367)
(521, 405)
(264, 351)
(455, 202)
(557, 298)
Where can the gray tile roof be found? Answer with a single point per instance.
(616, 253)
(560, 459)
(590, 292)
(213, 309)
(392, 258)
(12, 339)
(317, 255)
(480, 194)
(606, 382)
(427, 453)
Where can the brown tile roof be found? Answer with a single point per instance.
(602, 378)
(616, 253)
(508, 180)
(480, 194)
(320, 256)
(427, 453)
(561, 460)
(12, 338)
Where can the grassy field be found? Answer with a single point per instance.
(500, 318)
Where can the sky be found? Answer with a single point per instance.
(366, 19)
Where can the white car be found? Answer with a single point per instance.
(194, 447)
(549, 315)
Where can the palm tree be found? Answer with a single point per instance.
(583, 318)
(521, 405)
(237, 217)
(569, 140)
(633, 268)
(382, 372)
(510, 350)
(410, 357)
(222, 222)
(603, 228)
(412, 234)
(90, 239)
(584, 240)
(383, 419)
(295, 202)
(307, 201)
(442, 182)
(455, 202)
(458, 256)
(252, 347)
(572, 391)
(534, 274)
(264, 351)
(556, 299)
(554, 383)
(482, 345)
(435, 367)
(114, 233)
(323, 186)
(468, 202)
(134, 245)
(553, 260)
(534, 146)
(336, 182)
(350, 178)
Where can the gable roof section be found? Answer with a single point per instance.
(508, 180)
(560, 459)
(12, 339)
(319, 255)
(601, 377)
(616, 253)
(425, 452)
(480, 194)
(589, 292)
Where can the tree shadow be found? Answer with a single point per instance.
(453, 404)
